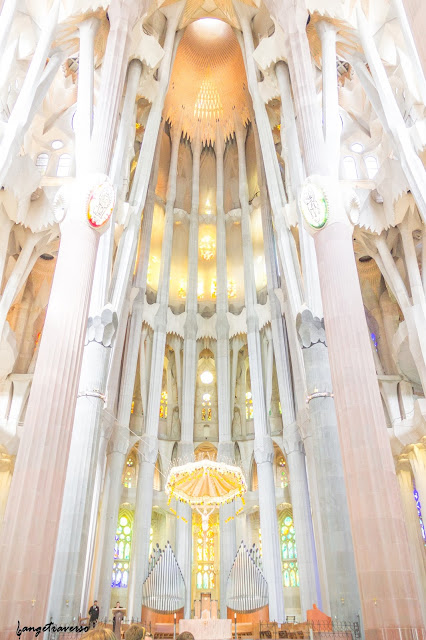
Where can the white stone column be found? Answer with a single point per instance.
(83, 119)
(148, 447)
(228, 542)
(186, 446)
(67, 581)
(307, 559)
(116, 458)
(416, 543)
(290, 140)
(330, 97)
(263, 447)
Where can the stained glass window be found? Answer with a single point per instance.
(249, 406)
(206, 408)
(163, 405)
(205, 556)
(122, 550)
(129, 476)
(419, 513)
(289, 552)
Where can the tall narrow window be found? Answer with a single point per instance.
(289, 552)
(349, 165)
(419, 513)
(64, 165)
(163, 405)
(249, 406)
(129, 475)
(122, 550)
(42, 162)
(205, 557)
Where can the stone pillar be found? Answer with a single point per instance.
(228, 541)
(116, 458)
(149, 446)
(263, 447)
(67, 582)
(416, 544)
(307, 560)
(330, 98)
(322, 443)
(310, 593)
(388, 593)
(38, 483)
(186, 447)
(83, 119)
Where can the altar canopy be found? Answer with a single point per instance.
(205, 483)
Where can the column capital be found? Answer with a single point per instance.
(292, 440)
(148, 449)
(310, 329)
(263, 449)
(119, 440)
(102, 327)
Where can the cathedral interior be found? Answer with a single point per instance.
(213, 316)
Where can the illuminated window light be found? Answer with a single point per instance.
(206, 377)
(207, 248)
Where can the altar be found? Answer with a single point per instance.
(207, 628)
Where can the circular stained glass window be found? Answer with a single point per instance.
(288, 521)
(128, 538)
(127, 530)
(122, 536)
(123, 521)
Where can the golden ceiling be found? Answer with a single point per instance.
(208, 80)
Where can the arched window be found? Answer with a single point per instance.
(42, 162)
(64, 165)
(122, 549)
(288, 550)
(349, 166)
(372, 166)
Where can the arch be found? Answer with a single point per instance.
(237, 454)
(158, 475)
(280, 468)
(253, 480)
(205, 450)
(174, 455)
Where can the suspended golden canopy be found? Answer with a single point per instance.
(205, 483)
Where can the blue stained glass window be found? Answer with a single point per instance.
(419, 513)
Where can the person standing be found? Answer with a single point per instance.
(93, 614)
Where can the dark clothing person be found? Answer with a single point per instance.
(94, 614)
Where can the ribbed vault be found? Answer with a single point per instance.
(208, 80)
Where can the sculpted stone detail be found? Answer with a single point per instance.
(102, 328)
(324, 200)
(310, 329)
(263, 450)
(148, 450)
